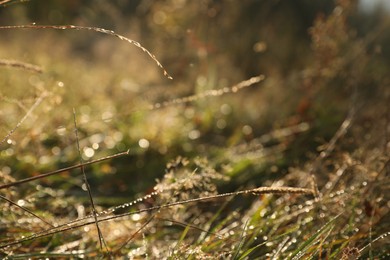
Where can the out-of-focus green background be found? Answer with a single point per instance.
(318, 61)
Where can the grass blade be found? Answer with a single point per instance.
(301, 249)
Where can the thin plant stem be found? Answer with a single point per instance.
(136, 232)
(66, 227)
(25, 209)
(20, 65)
(95, 29)
(44, 175)
(209, 93)
(101, 239)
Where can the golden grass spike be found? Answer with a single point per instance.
(209, 93)
(95, 29)
(20, 65)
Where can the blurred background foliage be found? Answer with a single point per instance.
(320, 58)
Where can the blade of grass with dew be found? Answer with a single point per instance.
(257, 215)
(331, 145)
(338, 249)
(300, 250)
(26, 210)
(48, 255)
(136, 233)
(274, 238)
(211, 221)
(94, 29)
(182, 236)
(85, 222)
(242, 239)
(384, 235)
(279, 248)
(321, 243)
(249, 251)
(73, 223)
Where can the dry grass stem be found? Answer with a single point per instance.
(88, 221)
(8, 185)
(21, 65)
(94, 29)
(86, 183)
(25, 209)
(210, 93)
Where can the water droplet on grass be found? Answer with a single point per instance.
(88, 152)
(21, 203)
(136, 217)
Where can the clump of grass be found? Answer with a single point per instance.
(188, 189)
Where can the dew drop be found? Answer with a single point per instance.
(246, 130)
(61, 130)
(194, 134)
(143, 143)
(221, 123)
(21, 203)
(226, 109)
(136, 217)
(88, 152)
(107, 116)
